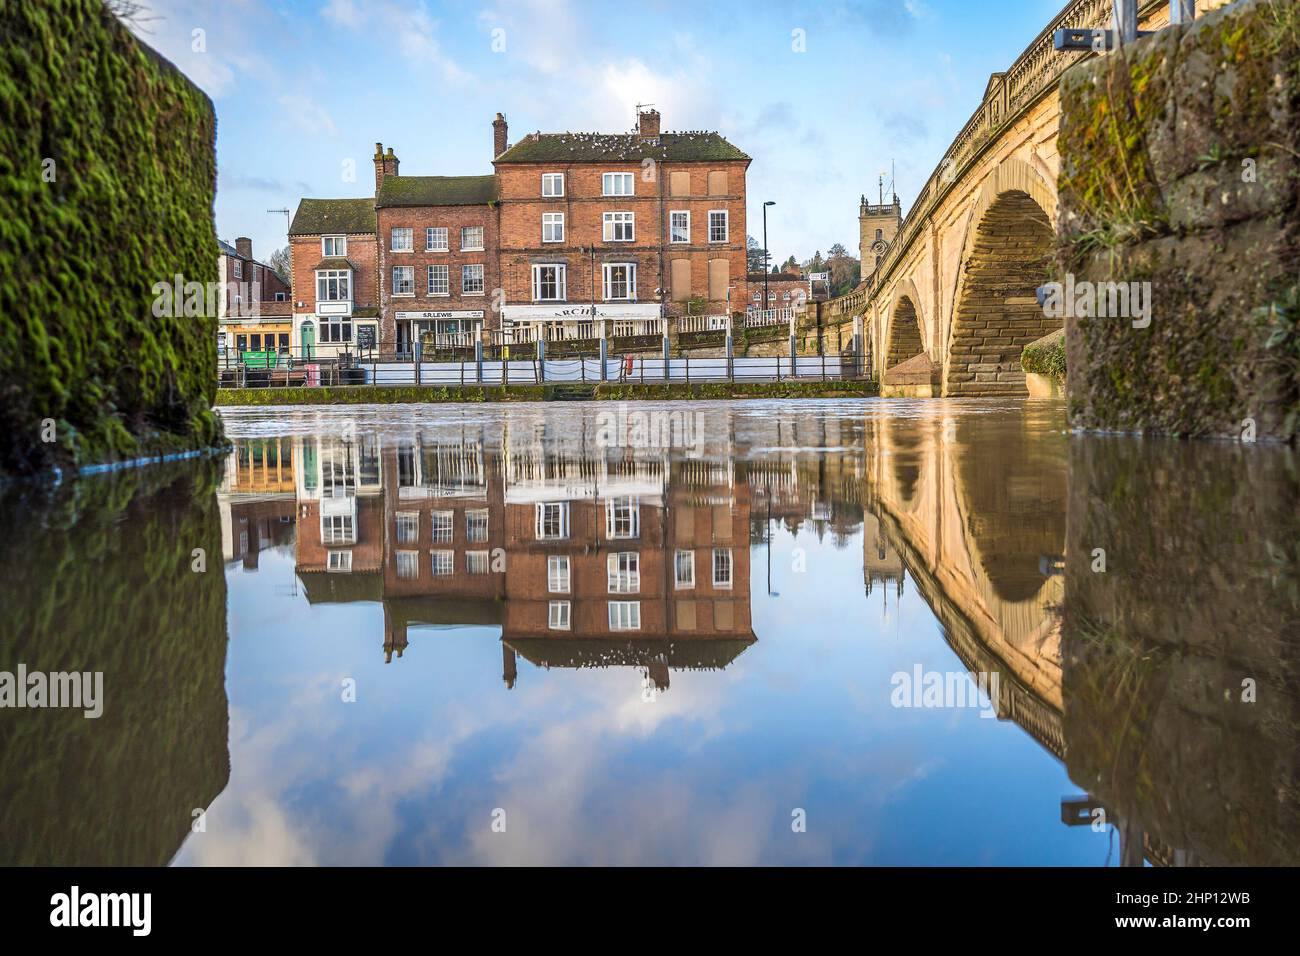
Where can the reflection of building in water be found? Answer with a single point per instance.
(606, 558)
(256, 498)
(881, 563)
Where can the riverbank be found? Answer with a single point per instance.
(475, 394)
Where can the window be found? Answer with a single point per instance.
(617, 184)
(549, 283)
(408, 527)
(557, 573)
(336, 529)
(441, 526)
(552, 520)
(471, 280)
(679, 183)
(717, 225)
(722, 567)
(681, 279)
(622, 518)
(557, 616)
(402, 240)
(552, 227)
(334, 246)
(439, 280)
(620, 281)
(471, 238)
(332, 285)
(679, 226)
(443, 563)
(408, 565)
(618, 227)
(625, 615)
(684, 570)
(281, 297)
(624, 572)
(435, 239)
(719, 278)
(476, 562)
(552, 184)
(403, 280)
(238, 266)
(880, 234)
(476, 526)
(717, 182)
(336, 328)
(340, 561)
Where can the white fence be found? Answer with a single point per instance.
(761, 317)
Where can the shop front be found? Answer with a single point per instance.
(445, 329)
(529, 323)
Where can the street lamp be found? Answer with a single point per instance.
(765, 254)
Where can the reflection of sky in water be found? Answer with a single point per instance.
(589, 772)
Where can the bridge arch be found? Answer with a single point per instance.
(1004, 260)
(905, 330)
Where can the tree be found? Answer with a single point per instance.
(279, 263)
(754, 256)
(845, 270)
(791, 266)
(836, 251)
(817, 263)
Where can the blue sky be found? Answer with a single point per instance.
(302, 87)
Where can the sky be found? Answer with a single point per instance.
(824, 96)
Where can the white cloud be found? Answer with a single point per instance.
(308, 115)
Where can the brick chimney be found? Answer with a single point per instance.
(648, 121)
(499, 133)
(244, 246)
(385, 165)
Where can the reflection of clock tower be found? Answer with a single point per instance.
(877, 227)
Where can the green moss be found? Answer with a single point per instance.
(130, 204)
(1046, 356)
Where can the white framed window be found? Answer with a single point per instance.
(471, 280)
(337, 529)
(617, 184)
(336, 328)
(443, 563)
(722, 567)
(679, 226)
(281, 297)
(408, 565)
(477, 562)
(684, 570)
(623, 569)
(619, 227)
(340, 561)
(622, 517)
(625, 615)
(441, 526)
(552, 184)
(552, 520)
(439, 280)
(557, 573)
(238, 265)
(552, 227)
(403, 280)
(619, 281)
(476, 525)
(718, 225)
(550, 283)
(471, 238)
(402, 239)
(408, 527)
(435, 239)
(333, 246)
(333, 285)
(557, 615)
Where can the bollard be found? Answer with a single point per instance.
(541, 360)
(478, 362)
(666, 360)
(604, 355)
(731, 367)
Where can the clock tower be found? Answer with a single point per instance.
(878, 224)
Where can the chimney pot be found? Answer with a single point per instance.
(648, 124)
(499, 133)
(244, 246)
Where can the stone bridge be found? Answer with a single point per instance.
(953, 302)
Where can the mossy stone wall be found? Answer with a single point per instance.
(126, 203)
(1180, 163)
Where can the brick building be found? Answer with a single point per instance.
(335, 263)
(784, 291)
(619, 229)
(437, 255)
(253, 312)
(580, 232)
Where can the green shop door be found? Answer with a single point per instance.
(308, 341)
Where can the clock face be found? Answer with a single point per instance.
(879, 247)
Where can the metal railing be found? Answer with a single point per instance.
(764, 317)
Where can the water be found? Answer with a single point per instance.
(881, 632)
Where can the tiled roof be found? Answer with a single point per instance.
(701, 146)
(334, 262)
(437, 191)
(324, 216)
